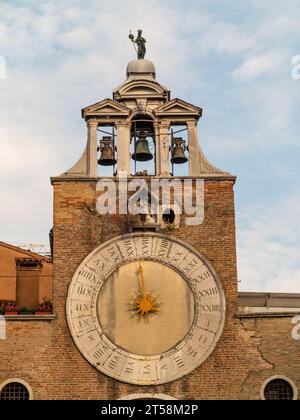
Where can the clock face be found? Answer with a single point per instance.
(145, 308)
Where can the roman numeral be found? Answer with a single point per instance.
(192, 352)
(100, 351)
(113, 362)
(208, 292)
(145, 246)
(204, 339)
(81, 307)
(102, 266)
(129, 248)
(88, 275)
(84, 291)
(164, 367)
(179, 362)
(201, 277)
(177, 256)
(99, 264)
(163, 248)
(204, 276)
(86, 323)
(210, 308)
(147, 370)
(129, 367)
(190, 265)
(98, 260)
(83, 323)
(115, 256)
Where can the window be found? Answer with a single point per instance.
(15, 390)
(279, 388)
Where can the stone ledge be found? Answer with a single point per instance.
(267, 315)
(206, 177)
(30, 317)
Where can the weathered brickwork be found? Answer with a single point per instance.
(274, 341)
(249, 351)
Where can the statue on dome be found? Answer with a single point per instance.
(140, 42)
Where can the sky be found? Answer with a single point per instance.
(231, 58)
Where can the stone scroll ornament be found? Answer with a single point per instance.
(145, 309)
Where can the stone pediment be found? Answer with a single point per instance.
(178, 107)
(140, 89)
(104, 108)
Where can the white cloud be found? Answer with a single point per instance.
(224, 37)
(258, 65)
(269, 248)
(77, 38)
(64, 55)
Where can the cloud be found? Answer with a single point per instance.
(63, 57)
(224, 37)
(269, 248)
(258, 65)
(233, 60)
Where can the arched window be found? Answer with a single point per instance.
(15, 389)
(279, 388)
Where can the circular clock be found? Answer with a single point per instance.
(145, 308)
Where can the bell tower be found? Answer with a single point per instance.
(121, 280)
(140, 125)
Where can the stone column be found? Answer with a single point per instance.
(194, 149)
(92, 167)
(157, 149)
(123, 145)
(164, 154)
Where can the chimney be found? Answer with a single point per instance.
(28, 280)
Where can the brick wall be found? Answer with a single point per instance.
(43, 353)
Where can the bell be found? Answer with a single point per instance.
(142, 151)
(178, 155)
(107, 157)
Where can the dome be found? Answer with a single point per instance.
(140, 67)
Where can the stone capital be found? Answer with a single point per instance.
(125, 124)
(93, 123)
(164, 124)
(191, 123)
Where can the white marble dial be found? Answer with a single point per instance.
(171, 341)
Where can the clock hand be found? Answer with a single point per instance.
(142, 281)
(144, 303)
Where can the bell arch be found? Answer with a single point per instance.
(107, 148)
(143, 145)
(178, 145)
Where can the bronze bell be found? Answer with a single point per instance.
(178, 155)
(107, 157)
(142, 151)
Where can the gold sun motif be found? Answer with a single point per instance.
(143, 303)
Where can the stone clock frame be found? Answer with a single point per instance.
(185, 356)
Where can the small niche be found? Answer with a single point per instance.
(168, 216)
